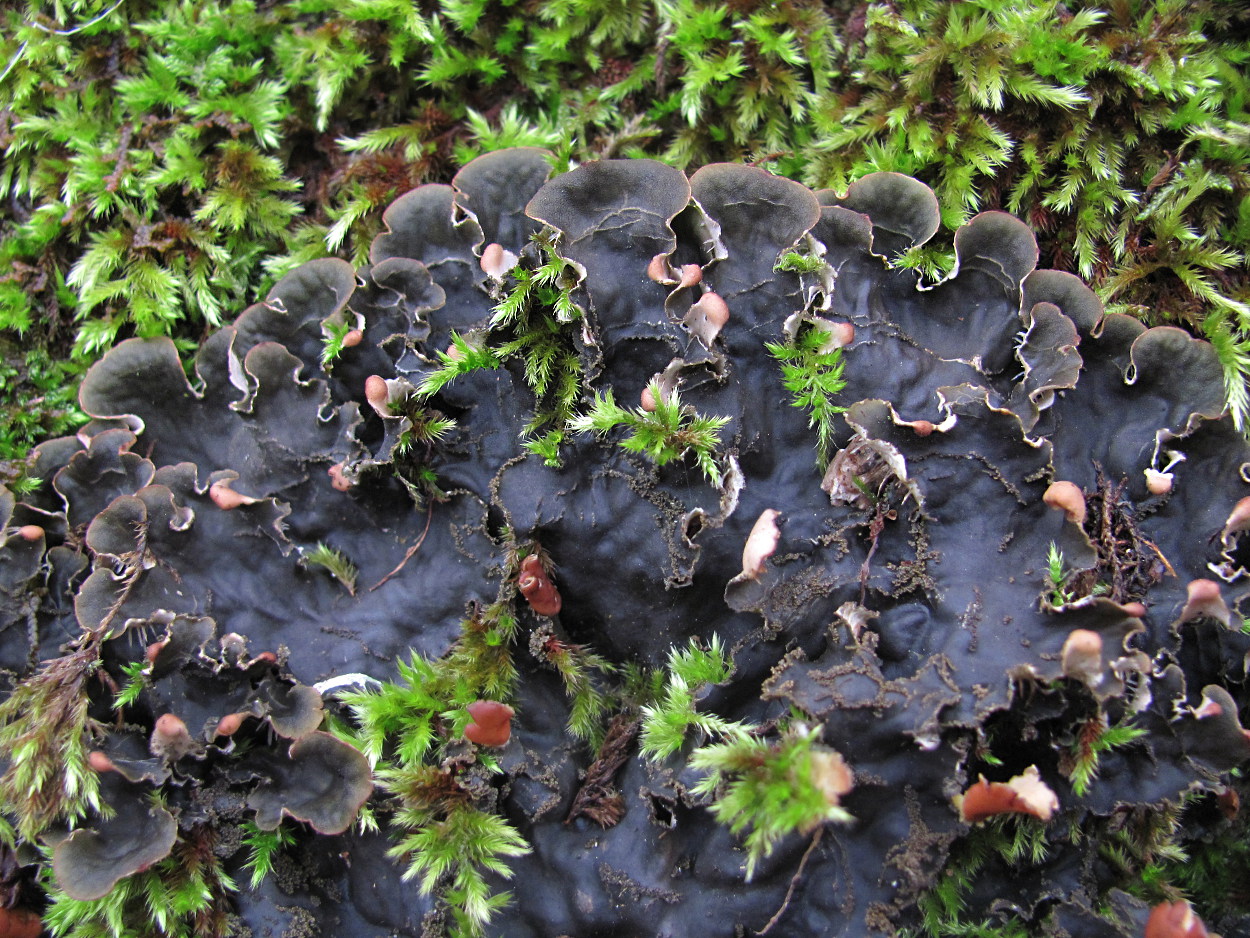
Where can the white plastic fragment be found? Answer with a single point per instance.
(344, 680)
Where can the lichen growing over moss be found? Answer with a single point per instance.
(895, 628)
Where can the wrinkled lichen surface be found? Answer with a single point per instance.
(906, 607)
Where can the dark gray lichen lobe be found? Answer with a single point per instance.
(910, 623)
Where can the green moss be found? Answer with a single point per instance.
(45, 729)
(812, 373)
(671, 714)
(1017, 841)
(448, 842)
(407, 721)
(1095, 739)
(461, 359)
(583, 673)
(538, 319)
(767, 789)
(140, 165)
(669, 432)
(334, 562)
(186, 895)
(763, 786)
(1214, 871)
(442, 836)
(38, 400)
(263, 847)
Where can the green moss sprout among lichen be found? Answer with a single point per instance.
(462, 358)
(45, 729)
(811, 370)
(667, 721)
(1018, 841)
(665, 434)
(536, 319)
(534, 324)
(800, 263)
(337, 336)
(444, 836)
(263, 848)
(772, 788)
(584, 674)
(448, 842)
(186, 895)
(1094, 739)
(1059, 576)
(764, 785)
(136, 682)
(334, 562)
